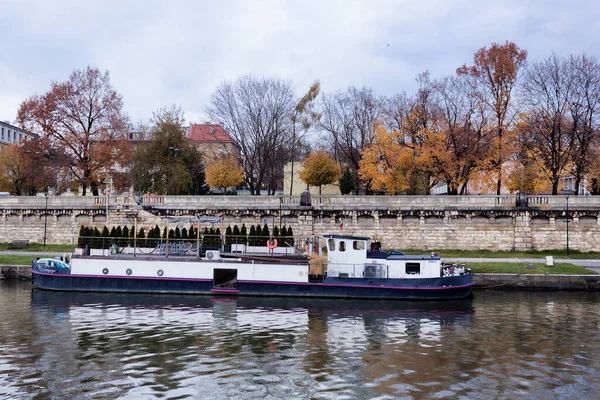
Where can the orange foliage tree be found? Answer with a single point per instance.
(494, 76)
(439, 135)
(387, 162)
(224, 172)
(83, 119)
(319, 169)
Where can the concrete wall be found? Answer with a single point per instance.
(400, 222)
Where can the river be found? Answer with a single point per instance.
(499, 345)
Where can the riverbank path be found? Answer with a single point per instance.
(593, 265)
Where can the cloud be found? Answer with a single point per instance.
(160, 53)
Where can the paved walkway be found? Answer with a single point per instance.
(593, 265)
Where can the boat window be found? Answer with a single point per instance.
(358, 245)
(331, 243)
(342, 245)
(413, 268)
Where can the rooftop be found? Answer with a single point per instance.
(208, 133)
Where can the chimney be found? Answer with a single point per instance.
(212, 129)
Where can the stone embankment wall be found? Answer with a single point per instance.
(400, 222)
(530, 281)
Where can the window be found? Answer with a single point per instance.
(342, 245)
(331, 244)
(358, 245)
(2, 133)
(413, 268)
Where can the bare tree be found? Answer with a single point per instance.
(584, 107)
(348, 118)
(256, 113)
(547, 129)
(464, 124)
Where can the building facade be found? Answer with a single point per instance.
(212, 141)
(10, 134)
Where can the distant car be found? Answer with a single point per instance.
(4, 194)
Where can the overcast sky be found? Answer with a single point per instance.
(176, 52)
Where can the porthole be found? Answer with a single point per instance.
(128, 272)
(105, 271)
(160, 272)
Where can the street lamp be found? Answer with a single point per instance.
(174, 152)
(280, 201)
(567, 225)
(45, 218)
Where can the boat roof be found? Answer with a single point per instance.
(346, 237)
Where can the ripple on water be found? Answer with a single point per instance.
(500, 345)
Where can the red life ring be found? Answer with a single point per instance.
(271, 244)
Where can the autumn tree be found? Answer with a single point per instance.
(302, 117)
(494, 76)
(458, 142)
(437, 135)
(13, 172)
(525, 176)
(83, 119)
(224, 172)
(319, 169)
(45, 167)
(348, 120)
(387, 163)
(409, 119)
(168, 163)
(256, 113)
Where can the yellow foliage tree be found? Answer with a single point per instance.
(387, 163)
(12, 170)
(319, 169)
(224, 172)
(525, 176)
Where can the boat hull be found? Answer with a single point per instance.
(458, 287)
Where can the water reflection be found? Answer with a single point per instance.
(502, 344)
(160, 344)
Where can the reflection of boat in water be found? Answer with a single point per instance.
(327, 307)
(351, 271)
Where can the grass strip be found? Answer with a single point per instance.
(9, 259)
(521, 268)
(37, 247)
(573, 254)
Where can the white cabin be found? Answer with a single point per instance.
(352, 257)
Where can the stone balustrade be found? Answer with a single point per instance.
(432, 222)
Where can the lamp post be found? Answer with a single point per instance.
(45, 218)
(280, 202)
(174, 152)
(567, 225)
(107, 200)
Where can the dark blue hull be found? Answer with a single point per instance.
(458, 287)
